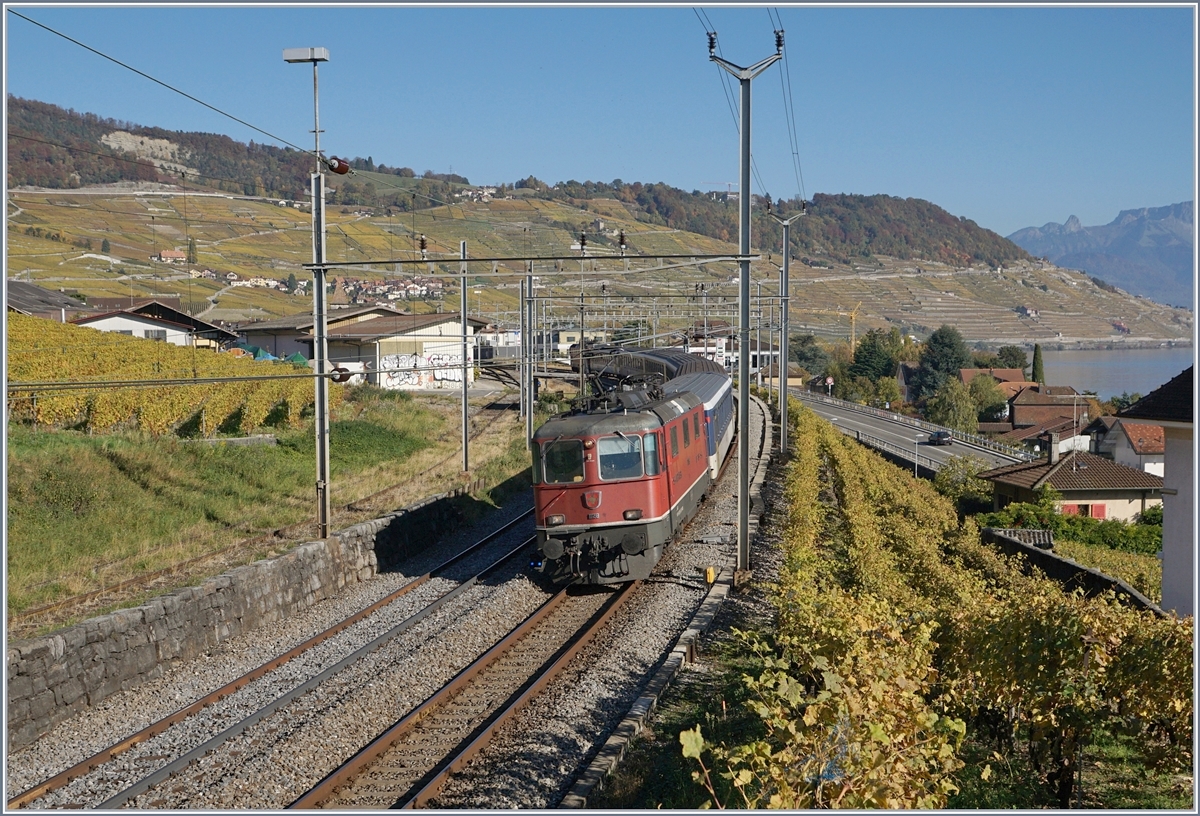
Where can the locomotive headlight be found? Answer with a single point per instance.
(555, 520)
(632, 515)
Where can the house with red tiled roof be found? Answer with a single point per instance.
(1138, 445)
(998, 374)
(1090, 485)
(1040, 403)
(1172, 407)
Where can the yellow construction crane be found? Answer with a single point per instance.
(853, 315)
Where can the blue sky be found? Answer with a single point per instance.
(1012, 117)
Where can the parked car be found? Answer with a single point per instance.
(941, 438)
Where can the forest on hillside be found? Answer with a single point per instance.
(52, 147)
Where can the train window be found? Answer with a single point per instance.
(696, 418)
(674, 442)
(620, 456)
(562, 461)
(687, 437)
(650, 449)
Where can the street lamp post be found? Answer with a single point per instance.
(916, 452)
(320, 342)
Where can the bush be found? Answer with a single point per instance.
(1143, 537)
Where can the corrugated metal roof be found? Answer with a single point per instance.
(35, 300)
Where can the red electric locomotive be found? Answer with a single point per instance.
(615, 479)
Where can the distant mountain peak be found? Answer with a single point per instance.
(1146, 251)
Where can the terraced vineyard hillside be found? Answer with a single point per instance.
(55, 240)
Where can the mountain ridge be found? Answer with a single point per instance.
(55, 148)
(1146, 250)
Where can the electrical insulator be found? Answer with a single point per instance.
(712, 42)
(779, 41)
(339, 166)
(423, 244)
(621, 239)
(582, 241)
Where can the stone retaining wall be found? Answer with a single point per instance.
(57, 676)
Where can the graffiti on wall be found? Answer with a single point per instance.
(419, 370)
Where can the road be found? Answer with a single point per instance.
(901, 436)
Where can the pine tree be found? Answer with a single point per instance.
(1039, 373)
(191, 251)
(105, 247)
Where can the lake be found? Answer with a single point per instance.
(1111, 373)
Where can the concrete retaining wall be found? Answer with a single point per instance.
(1068, 572)
(57, 676)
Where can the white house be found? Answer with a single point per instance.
(1136, 444)
(1172, 406)
(157, 321)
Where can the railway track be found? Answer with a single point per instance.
(109, 754)
(408, 764)
(510, 739)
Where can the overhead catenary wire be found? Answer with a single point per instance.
(789, 107)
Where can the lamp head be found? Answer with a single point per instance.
(306, 55)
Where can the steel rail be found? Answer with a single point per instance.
(378, 748)
(431, 788)
(154, 729)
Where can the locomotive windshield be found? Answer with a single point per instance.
(620, 456)
(562, 461)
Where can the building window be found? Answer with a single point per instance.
(126, 332)
(156, 334)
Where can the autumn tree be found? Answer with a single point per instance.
(952, 406)
(987, 396)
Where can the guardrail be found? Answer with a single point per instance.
(974, 439)
(903, 451)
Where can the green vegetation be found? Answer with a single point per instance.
(1141, 571)
(1038, 373)
(82, 506)
(85, 508)
(1111, 533)
(944, 353)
